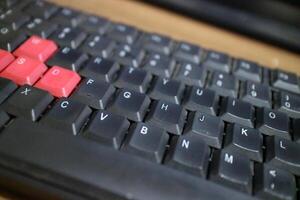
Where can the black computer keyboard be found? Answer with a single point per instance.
(97, 109)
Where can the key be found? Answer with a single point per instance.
(283, 153)
(134, 78)
(237, 111)
(168, 115)
(200, 99)
(107, 128)
(189, 153)
(58, 81)
(68, 17)
(10, 39)
(289, 104)
(158, 43)
(68, 58)
(191, 74)
(159, 65)
(28, 102)
(209, 128)
(217, 61)
(233, 170)
(67, 36)
(14, 19)
(7, 88)
(224, 84)
(147, 141)
(98, 45)
(274, 183)
(246, 70)
(244, 140)
(286, 81)
(24, 70)
(257, 94)
(94, 93)
(95, 24)
(41, 9)
(131, 104)
(67, 115)
(44, 147)
(100, 69)
(36, 48)
(4, 118)
(37, 26)
(169, 90)
(122, 33)
(271, 123)
(5, 59)
(129, 55)
(188, 53)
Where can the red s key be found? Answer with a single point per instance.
(58, 81)
(24, 70)
(5, 59)
(36, 48)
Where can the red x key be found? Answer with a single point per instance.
(58, 81)
(36, 48)
(24, 70)
(5, 59)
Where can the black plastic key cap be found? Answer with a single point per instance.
(237, 111)
(68, 58)
(189, 153)
(191, 74)
(244, 140)
(275, 183)
(257, 94)
(95, 24)
(38, 26)
(232, 169)
(68, 36)
(130, 104)
(286, 81)
(13, 19)
(284, 154)
(289, 104)
(98, 45)
(134, 78)
(28, 102)
(169, 90)
(122, 33)
(147, 141)
(7, 87)
(94, 93)
(209, 128)
(271, 122)
(9, 39)
(217, 61)
(100, 69)
(200, 99)
(159, 65)
(158, 43)
(67, 115)
(246, 70)
(224, 84)
(41, 9)
(168, 115)
(128, 55)
(67, 17)
(188, 53)
(107, 128)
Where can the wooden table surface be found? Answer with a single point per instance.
(153, 19)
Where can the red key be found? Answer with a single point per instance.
(58, 81)
(5, 59)
(24, 70)
(36, 48)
